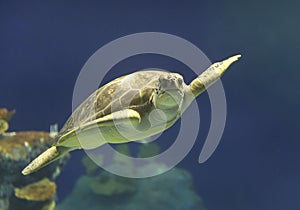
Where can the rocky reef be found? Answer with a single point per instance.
(38, 191)
(169, 191)
(101, 190)
(17, 149)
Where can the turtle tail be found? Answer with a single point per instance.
(47, 157)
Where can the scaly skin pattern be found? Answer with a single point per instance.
(211, 75)
(206, 79)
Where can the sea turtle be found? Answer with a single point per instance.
(143, 103)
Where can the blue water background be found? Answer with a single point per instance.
(43, 46)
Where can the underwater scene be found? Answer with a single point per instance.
(149, 105)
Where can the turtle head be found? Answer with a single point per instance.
(169, 92)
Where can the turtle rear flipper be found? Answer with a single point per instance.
(47, 157)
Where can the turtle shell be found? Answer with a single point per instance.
(132, 91)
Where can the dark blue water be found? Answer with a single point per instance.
(43, 47)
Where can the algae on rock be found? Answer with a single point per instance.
(38, 191)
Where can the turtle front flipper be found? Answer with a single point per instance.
(47, 157)
(107, 129)
(124, 116)
(211, 75)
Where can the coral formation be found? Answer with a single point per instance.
(3, 126)
(22, 146)
(108, 185)
(148, 150)
(38, 191)
(90, 167)
(5, 116)
(172, 190)
(17, 149)
(49, 206)
(106, 191)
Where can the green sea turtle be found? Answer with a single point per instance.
(129, 102)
